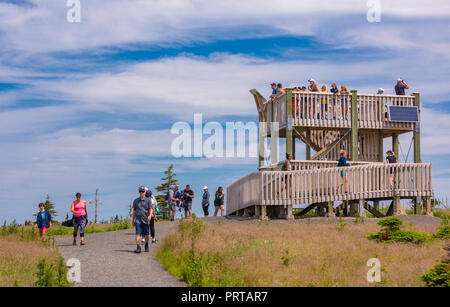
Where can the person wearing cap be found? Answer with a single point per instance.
(313, 87)
(205, 201)
(400, 87)
(154, 204)
(274, 90)
(218, 201)
(391, 158)
(142, 214)
(380, 91)
(172, 203)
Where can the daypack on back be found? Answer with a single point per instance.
(167, 197)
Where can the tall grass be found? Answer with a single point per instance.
(26, 260)
(268, 254)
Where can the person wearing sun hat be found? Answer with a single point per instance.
(205, 201)
(400, 87)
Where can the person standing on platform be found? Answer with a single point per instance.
(205, 201)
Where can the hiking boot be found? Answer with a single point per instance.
(74, 242)
(146, 247)
(138, 249)
(154, 240)
(82, 243)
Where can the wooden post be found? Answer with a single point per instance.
(395, 145)
(257, 211)
(361, 211)
(417, 131)
(274, 143)
(289, 134)
(354, 132)
(263, 212)
(380, 146)
(396, 210)
(261, 140)
(428, 206)
(308, 148)
(416, 136)
(289, 215)
(330, 212)
(417, 205)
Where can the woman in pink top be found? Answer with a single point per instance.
(79, 210)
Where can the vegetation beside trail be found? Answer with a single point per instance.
(274, 254)
(26, 260)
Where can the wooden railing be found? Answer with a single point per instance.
(300, 165)
(330, 110)
(371, 181)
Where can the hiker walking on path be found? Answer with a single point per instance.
(174, 200)
(218, 202)
(79, 210)
(154, 204)
(342, 163)
(43, 220)
(188, 195)
(205, 201)
(142, 214)
(391, 158)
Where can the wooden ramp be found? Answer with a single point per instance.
(313, 182)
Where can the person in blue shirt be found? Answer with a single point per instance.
(342, 163)
(274, 90)
(43, 220)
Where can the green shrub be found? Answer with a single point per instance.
(439, 276)
(443, 231)
(391, 232)
(51, 274)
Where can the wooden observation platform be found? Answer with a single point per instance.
(327, 123)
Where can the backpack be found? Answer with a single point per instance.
(167, 196)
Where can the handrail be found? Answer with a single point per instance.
(315, 185)
(311, 109)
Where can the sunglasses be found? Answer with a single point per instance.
(141, 191)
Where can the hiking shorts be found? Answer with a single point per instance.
(42, 230)
(142, 229)
(187, 205)
(172, 207)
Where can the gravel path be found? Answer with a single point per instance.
(108, 259)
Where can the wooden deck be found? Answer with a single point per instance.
(319, 182)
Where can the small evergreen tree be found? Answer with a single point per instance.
(168, 182)
(49, 206)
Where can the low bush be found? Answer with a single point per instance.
(439, 276)
(392, 232)
(443, 231)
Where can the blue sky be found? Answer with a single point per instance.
(90, 104)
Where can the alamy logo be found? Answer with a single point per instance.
(374, 274)
(374, 11)
(74, 13)
(74, 272)
(212, 139)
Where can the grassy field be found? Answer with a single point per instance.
(22, 250)
(268, 254)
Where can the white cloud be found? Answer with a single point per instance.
(42, 27)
